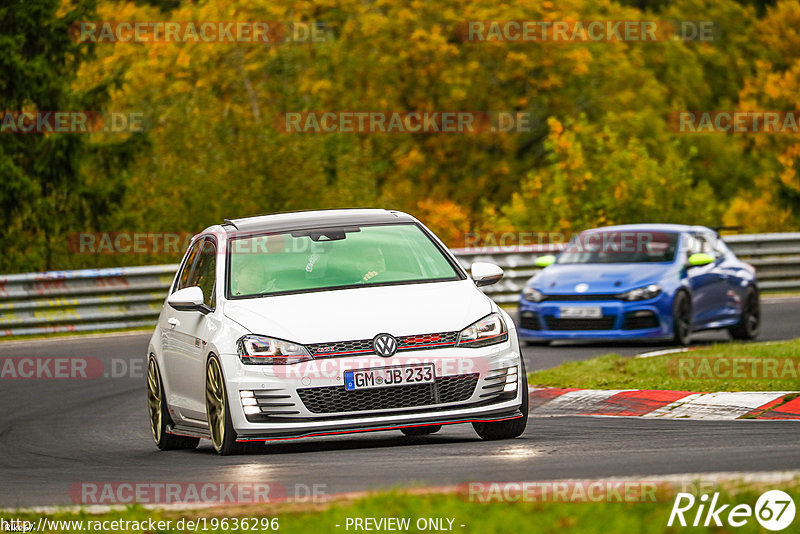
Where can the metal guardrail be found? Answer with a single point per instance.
(99, 299)
(88, 299)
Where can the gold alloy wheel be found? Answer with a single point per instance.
(215, 403)
(154, 399)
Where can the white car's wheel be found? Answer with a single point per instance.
(513, 427)
(223, 436)
(159, 413)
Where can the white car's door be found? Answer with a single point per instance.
(187, 336)
(170, 339)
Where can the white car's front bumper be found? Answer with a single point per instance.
(288, 409)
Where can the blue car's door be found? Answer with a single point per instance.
(731, 269)
(707, 283)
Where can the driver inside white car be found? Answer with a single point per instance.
(375, 263)
(252, 279)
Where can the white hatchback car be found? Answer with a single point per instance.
(327, 322)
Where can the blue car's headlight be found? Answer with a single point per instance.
(534, 295)
(642, 293)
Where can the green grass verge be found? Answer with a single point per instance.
(484, 518)
(664, 372)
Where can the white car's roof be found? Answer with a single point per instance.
(315, 219)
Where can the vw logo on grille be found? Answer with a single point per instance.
(384, 345)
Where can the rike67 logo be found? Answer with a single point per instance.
(774, 510)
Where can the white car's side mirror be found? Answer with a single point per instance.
(187, 299)
(486, 274)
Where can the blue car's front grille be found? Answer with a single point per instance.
(582, 297)
(640, 319)
(529, 320)
(603, 323)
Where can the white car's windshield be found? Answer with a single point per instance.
(324, 258)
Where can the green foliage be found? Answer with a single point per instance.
(599, 149)
(611, 179)
(46, 192)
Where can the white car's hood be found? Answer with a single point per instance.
(362, 313)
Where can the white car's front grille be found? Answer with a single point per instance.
(364, 346)
(335, 399)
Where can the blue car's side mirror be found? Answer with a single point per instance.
(695, 260)
(544, 261)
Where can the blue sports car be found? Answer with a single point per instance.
(641, 281)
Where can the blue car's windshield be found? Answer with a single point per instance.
(618, 246)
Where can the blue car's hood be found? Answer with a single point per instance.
(601, 278)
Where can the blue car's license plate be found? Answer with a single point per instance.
(580, 312)
(389, 376)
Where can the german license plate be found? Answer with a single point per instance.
(382, 377)
(580, 312)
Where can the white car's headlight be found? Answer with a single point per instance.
(642, 293)
(534, 295)
(254, 349)
(488, 331)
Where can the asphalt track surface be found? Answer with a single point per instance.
(55, 434)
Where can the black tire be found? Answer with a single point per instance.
(750, 322)
(512, 428)
(681, 319)
(421, 430)
(223, 436)
(159, 413)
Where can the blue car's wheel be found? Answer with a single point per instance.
(748, 325)
(682, 318)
